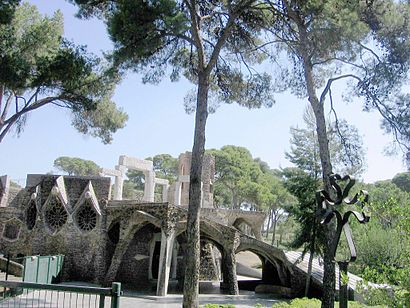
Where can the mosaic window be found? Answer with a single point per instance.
(86, 217)
(31, 215)
(55, 215)
(11, 231)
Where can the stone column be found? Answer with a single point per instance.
(230, 281)
(165, 193)
(149, 188)
(4, 190)
(119, 182)
(165, 258)
(177, 196)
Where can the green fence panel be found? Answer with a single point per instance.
(28, 294)
(42, 269)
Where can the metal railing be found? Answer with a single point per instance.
(28, 294)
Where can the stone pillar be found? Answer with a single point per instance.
(119, 182)
(230, 281)
(177, 196)
(165, 193)
(165, 258)
(4, 190)
(149, 187)
(174, 262)
(165, 187)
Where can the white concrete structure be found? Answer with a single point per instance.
(165, 187)
(119, 174)
(177, 193)
(147, 167)
(4, 190)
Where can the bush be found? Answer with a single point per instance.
(300, 302)
(315, 303)
(219, 306)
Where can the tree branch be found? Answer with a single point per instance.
(1, 95)
(329, 84)
(6, 109)
(195, 32)
(5, 130)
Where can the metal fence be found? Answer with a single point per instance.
(42, 269)
(27, 294)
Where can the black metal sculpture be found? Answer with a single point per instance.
(327, 204)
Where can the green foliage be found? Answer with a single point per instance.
(402, 181)
(38, 67)
(345, 146)
(236, 176)
(300, 302)
(219, 306)
(314, 303)
(304, 187)
(383, 245)
(385, 297)
(76, 166)
(165, 167)
(7, 9)
(155, 37)
(15, 185)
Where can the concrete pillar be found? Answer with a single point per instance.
(174, 262)
(165, 189)
(177, 196)
(119, 182)
(165, 258)
(230, 281)
(149, 187)
(4, 190)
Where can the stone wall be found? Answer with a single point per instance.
(84, 249)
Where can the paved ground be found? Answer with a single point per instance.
(173, 301)
(53, 300)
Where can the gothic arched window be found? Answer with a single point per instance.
(31, 215)
(86, 217)
(55, 215)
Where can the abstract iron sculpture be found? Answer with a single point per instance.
(328, 205)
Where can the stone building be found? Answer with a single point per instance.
(139, 244)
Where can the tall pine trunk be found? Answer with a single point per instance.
(191, 281)
(268, 225)
(311, 254)
(274, 223)
(318, 109)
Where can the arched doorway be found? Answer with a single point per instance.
(138, 263)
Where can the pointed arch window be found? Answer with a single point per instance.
(31, 215)
(86, 217)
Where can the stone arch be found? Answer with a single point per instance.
(275, 269)
(241, 224)
(237, 219)
(139, 261)
(211, 259)
(249, 264)
(126, 234)
(225, 239)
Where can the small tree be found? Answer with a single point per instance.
(402, 181)
(77, 166)
(311, 234)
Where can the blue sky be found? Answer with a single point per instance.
(158, 123)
